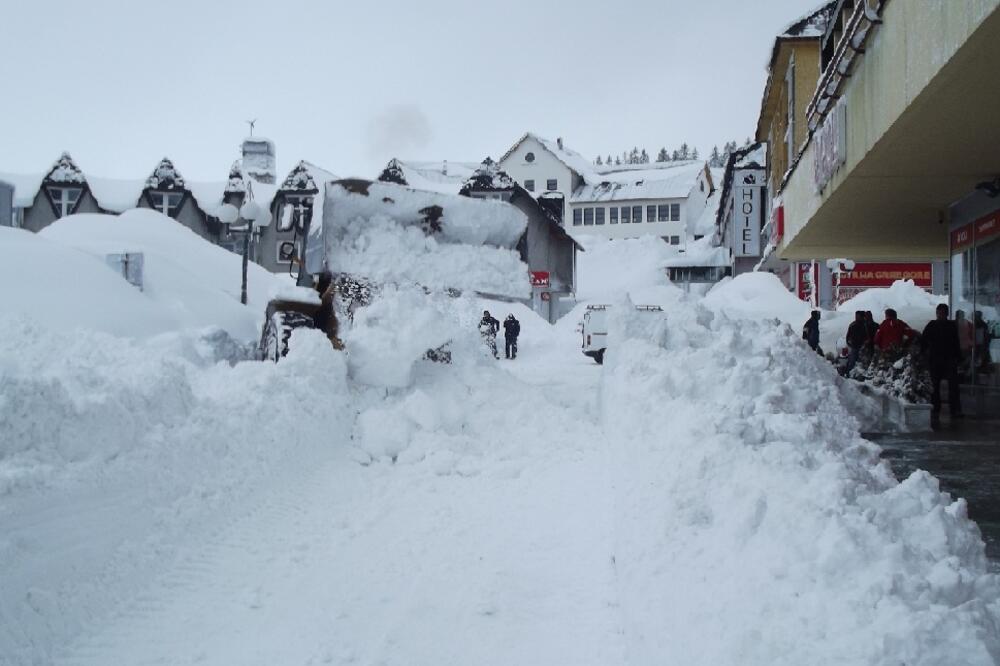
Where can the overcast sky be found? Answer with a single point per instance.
(349, 85)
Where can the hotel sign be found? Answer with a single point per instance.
(747, 213)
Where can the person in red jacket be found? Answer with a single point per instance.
(893, 332)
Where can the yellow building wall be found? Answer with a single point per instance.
(903, 55)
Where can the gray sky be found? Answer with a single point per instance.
(348, 85)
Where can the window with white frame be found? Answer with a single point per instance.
(64, 199)
(626, 214)
(588, 217)
(168, 203)
(577, 217)
(599, 215)
(650, 213)
(613, 213)
(529, 185)
(552, 184)
(675, 212)
(293, 215)
(675, 240)
(663, 213)
(636, 214)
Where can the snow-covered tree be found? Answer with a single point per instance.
(618, 161)
(643, 157)
(685, 152)
(676, 155)
(662, 155)
(715, 158)
(633, 157)
(599, 161)
(608, 161)
(694, 154)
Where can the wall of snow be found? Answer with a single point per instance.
(757, 527)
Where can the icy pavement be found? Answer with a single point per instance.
(704, 498)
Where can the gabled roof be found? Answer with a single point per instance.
(66, 171)
(488, 178)
(235, 183)
(165, 177)
(445, 177)
(305, 178)
(572, 159)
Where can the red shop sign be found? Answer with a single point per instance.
(982, 230)
(884, 274)
(539, 278)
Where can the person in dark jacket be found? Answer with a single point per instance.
(940, 343)
(488, 327)
(871, 326)
(511, 329)
(810, 332)
(857, 338)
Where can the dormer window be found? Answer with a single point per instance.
(64, 199)
(168, 203)
(293, 215)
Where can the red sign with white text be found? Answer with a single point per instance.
(884, 274)
(980, 231)
(539, 278)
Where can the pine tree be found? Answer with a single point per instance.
(644, 157)
(694, 154)
(618, 161)
(675, 155)
(685, 152)
(624, 157)
(633, 157)
(662, 155)
(609, 159)
(747, 143)
(715, 159)
(599, 161)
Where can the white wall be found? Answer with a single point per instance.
(544, 167)
(631, 230)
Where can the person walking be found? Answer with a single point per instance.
(488, 327)
(511, 329)
(810, 332)
(893, 332)
(940, 341)
(857, 338)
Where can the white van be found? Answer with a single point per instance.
(594, 329)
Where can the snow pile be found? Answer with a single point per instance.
(389, 337)
(757, 296)
(116, 455)
(60, 287)
(384, 252)
(757, 527)
(902, 296)
(609, 268)
(188, 282)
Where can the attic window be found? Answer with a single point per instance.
(168, 203)
(530, 157)
(64, 199)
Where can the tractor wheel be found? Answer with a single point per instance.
(278, 330)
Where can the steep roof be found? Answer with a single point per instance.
(305, 178)
(488, 178)
(65, 170)
(572, 159)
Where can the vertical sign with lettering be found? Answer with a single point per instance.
(746, 215)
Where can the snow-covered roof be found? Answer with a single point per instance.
(705, 224)
(65, 170)
(306, 177)
(663, 180)
(572, 159)
(812, 24)
(26, 186)
(446, 177)
(488, 178)
(751, 157)
(165, 177)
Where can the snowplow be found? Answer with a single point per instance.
(362, 236)
(594, 329)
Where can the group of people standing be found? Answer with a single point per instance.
(489, 327)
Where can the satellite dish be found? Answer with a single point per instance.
(227, 213)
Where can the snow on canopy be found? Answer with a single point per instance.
(66, 171)
(165, 177)
(394, 234)
(666, 180)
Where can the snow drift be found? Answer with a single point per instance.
(756, 527)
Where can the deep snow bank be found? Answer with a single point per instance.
(193, 282)
(757, 527)
(609, 268)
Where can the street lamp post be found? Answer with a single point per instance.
(255, 218)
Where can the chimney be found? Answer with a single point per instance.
(559, 142)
